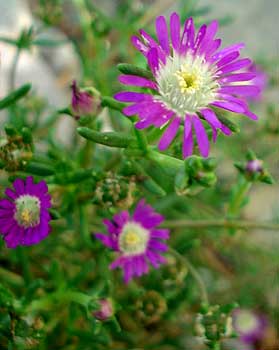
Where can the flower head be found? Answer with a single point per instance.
(136, 240)
(249, 325)
(191, 79)
(82, 101)
(24, 217)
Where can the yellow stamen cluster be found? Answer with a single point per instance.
(26, 216)
(131, 238)
(188, 82)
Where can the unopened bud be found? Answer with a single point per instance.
(105, 311)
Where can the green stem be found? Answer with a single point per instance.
(195, 274)
(24, 261)
(242, 187)
(60, 297)
(241, 224)
(142, 141)
(13, 69)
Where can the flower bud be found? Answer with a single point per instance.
(83, 102)
(105, 311)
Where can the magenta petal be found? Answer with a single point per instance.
(237, 77)
(175, 31)
(128, 271)
(130, 96)
(202, 137)
(188, 36)
(227, 50)
(162, 33)
(169, 134)
(199, 38)
(235, 66)
(137, 81)
(243, 90)
(132, 109)
(228, 59)
(10, 193)
(153, 60)
(208, 38)
(19, 186)
(211, 117)
(250, 115)
(139, 45)
(188, 144)
(106, 240)
(152, 43)
(229, 106)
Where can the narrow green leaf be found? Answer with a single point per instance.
(14, 96)
(112, 139)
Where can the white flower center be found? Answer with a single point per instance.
(246, 321)
(27, 212)
(133, 239)
(186, 84)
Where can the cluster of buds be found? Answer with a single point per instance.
(150, 307)
(254, 169)
(174, 273)
(115, 190)
(198, 173)
(214, 324)
(16, 148)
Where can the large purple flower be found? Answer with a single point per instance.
(191, 78)
(136, 240)
(24, 216)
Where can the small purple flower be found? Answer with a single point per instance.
(249, 325)
(105, 311)
(24, 216)
(191, 79)
(82, 101)
(136, 239)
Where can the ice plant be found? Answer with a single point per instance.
(249, 325)
(82, 101)
(191, 80)
(136, 239)
(24, 216)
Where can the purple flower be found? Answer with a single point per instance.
(105, 311)
(136, 240)
(82, 101)
(24, 216)
(191, 79)
(249, 325)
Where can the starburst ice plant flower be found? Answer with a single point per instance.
(24, 216)
(191, 79)
(136, 239)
